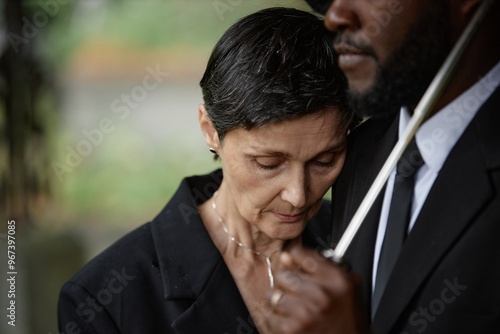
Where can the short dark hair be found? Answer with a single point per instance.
(273, 65)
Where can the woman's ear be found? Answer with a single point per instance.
(208, 129)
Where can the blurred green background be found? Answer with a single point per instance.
(89, 151)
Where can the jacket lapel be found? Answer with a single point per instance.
(441, 222)
(363, 167)
(195, 277)
(219, 308)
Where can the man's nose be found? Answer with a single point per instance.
(341, 16)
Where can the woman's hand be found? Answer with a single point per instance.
(314, 295)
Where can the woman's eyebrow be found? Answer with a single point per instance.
(268, 152)
(274, 153)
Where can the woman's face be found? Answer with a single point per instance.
(277, 174)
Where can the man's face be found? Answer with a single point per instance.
(390, 50)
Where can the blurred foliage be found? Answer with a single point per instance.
(120, 180)
(127, 187)
(125, 182)
(149, 23)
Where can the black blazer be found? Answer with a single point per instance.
(447, 277)
(167, 276)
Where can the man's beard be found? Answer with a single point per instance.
(407, 73)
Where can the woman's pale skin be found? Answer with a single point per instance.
(275, 177)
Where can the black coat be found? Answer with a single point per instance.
(447, 277)
(167, 276)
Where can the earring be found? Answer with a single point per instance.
(212, 150)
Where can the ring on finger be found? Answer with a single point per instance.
(276, 297)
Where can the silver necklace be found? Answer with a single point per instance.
(240, 244)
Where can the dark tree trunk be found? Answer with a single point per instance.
(21, 176)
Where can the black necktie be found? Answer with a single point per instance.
(398, 220)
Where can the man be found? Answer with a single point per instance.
(444, 277)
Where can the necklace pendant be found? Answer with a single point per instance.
(270, 272)
(240, 244)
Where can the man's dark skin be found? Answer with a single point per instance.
(322, 297)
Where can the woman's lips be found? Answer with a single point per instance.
(289, 218)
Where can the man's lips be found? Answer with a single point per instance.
(346, 49)
(351, 56)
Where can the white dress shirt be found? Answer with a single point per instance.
(435, 140)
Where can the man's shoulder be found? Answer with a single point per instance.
(370, 131)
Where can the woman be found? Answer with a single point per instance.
(275, 113)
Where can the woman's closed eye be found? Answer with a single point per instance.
(325, 164)
(268, 163)
(272, 163)
(325, 160)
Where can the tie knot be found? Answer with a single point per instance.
(410, 161)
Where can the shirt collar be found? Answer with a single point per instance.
(437, 136)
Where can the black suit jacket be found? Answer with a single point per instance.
(447, 277)
(167, 276)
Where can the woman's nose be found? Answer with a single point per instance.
(295, 191)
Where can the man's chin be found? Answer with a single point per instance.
(359, 88)
(370, 103)
(361, 82)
